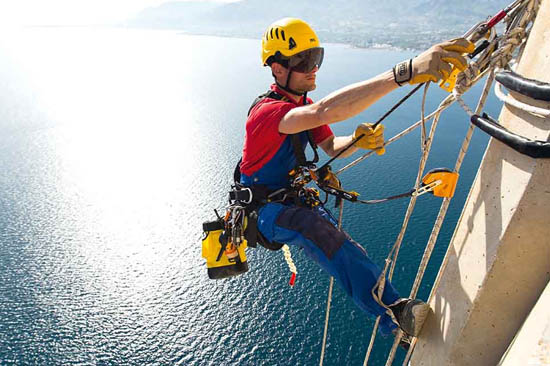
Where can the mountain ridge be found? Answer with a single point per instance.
(363, 23)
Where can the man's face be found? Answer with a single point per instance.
(300, 82)
(303, 82)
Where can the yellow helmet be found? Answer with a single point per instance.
(288, 37)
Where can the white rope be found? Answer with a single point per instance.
(469, 77)
(464, 106)
(329, 296)
(371, 342)
(446, 201)
(419, 176)
(394, 252)
(531, 11)
(447, 102)
(422, 116)
(508, 99)
(327, 315)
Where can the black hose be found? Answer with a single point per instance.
(531, 88)
(523, 145)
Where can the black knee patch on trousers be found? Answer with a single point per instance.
(314, 227)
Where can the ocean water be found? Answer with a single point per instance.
(115, 146)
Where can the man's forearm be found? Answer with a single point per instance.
(353, 99)
(339, 105)
(341, 142)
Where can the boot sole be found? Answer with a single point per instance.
(420, 312)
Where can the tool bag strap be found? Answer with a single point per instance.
(252, 198)
(253, 235)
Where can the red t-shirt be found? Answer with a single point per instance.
(263, 139)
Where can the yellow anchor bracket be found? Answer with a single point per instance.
(441, 182)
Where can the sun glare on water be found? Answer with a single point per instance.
(123, 132)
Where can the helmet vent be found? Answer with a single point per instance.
(283, 34)
(271, 33)
(277, 33)
(291, 43)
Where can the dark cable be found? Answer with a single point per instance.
(374, 125)
(397, 105)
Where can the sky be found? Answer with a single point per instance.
(73, 12)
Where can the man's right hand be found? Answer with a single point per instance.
(372, 139)
(435, 63)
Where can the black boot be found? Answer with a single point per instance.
(411, 314)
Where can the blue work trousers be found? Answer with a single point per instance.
(315, 231)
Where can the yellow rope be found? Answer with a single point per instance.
(288, 259)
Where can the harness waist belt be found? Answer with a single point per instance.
(259, 195)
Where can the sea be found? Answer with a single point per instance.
(117, 144)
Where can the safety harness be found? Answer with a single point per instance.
(253, 197)
(297, 147)
(227, 237)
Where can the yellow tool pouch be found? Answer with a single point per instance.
(223, 259)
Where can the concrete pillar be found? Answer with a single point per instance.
(499, 256)
(531, 346)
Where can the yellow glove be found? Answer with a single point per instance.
(373, 139)
(435, 63)
(332, 180)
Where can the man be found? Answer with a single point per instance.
(280, 118)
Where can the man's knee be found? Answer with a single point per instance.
(313, 227)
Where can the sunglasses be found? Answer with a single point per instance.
(306, 61)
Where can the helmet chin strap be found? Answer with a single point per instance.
(287, 88)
